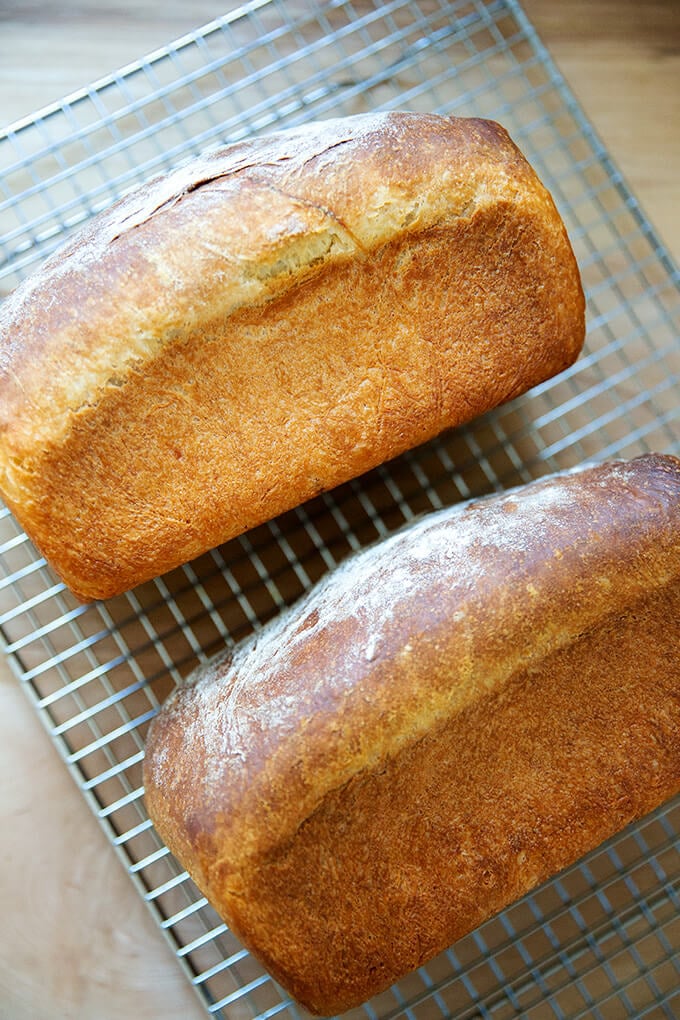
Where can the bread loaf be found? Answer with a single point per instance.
(446, 720)
(267, 322)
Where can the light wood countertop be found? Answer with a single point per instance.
(78, 943)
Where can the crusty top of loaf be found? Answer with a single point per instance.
(295, 712)
(235, 227)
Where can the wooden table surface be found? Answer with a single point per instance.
(77, 943)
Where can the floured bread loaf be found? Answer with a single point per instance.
(446, 720)
(267, 322)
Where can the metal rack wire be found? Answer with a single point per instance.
(602, 939)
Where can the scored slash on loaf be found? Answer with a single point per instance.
(266, 322)
(446, 720)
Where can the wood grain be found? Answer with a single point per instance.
(79, 944)
(622, 60)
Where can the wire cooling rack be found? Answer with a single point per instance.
(600, 940)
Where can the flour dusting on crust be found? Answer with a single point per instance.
(327, 655)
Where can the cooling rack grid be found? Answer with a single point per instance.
(601, 940)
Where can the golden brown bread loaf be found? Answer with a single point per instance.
(267, 322)
(446, 720)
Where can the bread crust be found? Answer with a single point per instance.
(446, 720)
(266, 322)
